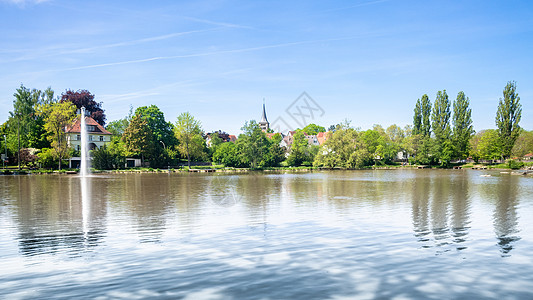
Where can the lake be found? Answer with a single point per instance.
(386, 234)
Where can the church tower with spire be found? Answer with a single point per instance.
(264, 122)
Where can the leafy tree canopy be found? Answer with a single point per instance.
(313, 129)
(83, 98)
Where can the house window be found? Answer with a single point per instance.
(91, 128)
(90, 138)
(101, 138)
(78, 137)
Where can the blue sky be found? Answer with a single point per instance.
(365, 61)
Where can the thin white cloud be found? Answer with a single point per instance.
(139, 41)
(23, 3)
(66, 49)
(251, 49)
(217, 23)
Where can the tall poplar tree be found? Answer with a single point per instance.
(441, 127)
(420, 140)
(462, 125)
(507, 118)
(422, 115)
(426, 115)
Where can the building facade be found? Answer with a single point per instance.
(98, 135)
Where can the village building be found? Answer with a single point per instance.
(322, 137)
(224, 136)
(98, 137)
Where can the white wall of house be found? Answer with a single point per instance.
(74, 140)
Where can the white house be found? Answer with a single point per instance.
(97, 134)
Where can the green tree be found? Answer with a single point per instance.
(275, 154)
(228, 155)
(523, 144)
(255, 144)
(57, 116)
(299, 151)
(188, 131)
(118, 127)
(343, 149)
(462, 125)
(47, 158)
(215, 141)
(25, 127)
(507, 118)
(138, 137)
(313, 129)
(441, 127)
(155, 118)
(164, 139)
(108, 158)
(422, 115)
(395, 134)
(488, 146)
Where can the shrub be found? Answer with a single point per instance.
(514, 164)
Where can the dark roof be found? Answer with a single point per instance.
(76, 126)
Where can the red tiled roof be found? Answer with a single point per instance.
(76, 126)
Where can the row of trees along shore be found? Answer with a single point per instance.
(441, 133)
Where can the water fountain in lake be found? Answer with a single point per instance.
(84, 164)
(84, 173)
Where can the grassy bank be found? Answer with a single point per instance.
(220, 168)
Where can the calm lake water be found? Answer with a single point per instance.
(419, 234)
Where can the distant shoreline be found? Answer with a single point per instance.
(248, 170)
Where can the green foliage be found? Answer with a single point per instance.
(252, 150)
(47, 158)
(299, 151)
(188, 131)
(441, 127)
(274, 154)
(57, 116)
(255, 144)
(424, 153)
(313, 129)
(395, 134)
(138, 137)
(507, 118)
(523, 144)
(118, 127)
(421, 118)
(163, 137)
(161, 129)
(462, 126)
(486, 145)
(514, 164)
(106, 158)
(338, 150)
(227, 154)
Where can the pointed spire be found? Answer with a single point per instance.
(264, 116)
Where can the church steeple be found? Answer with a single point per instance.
(264, 122)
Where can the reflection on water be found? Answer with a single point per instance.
(505, 214)
(440, 211)
(319, 235)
